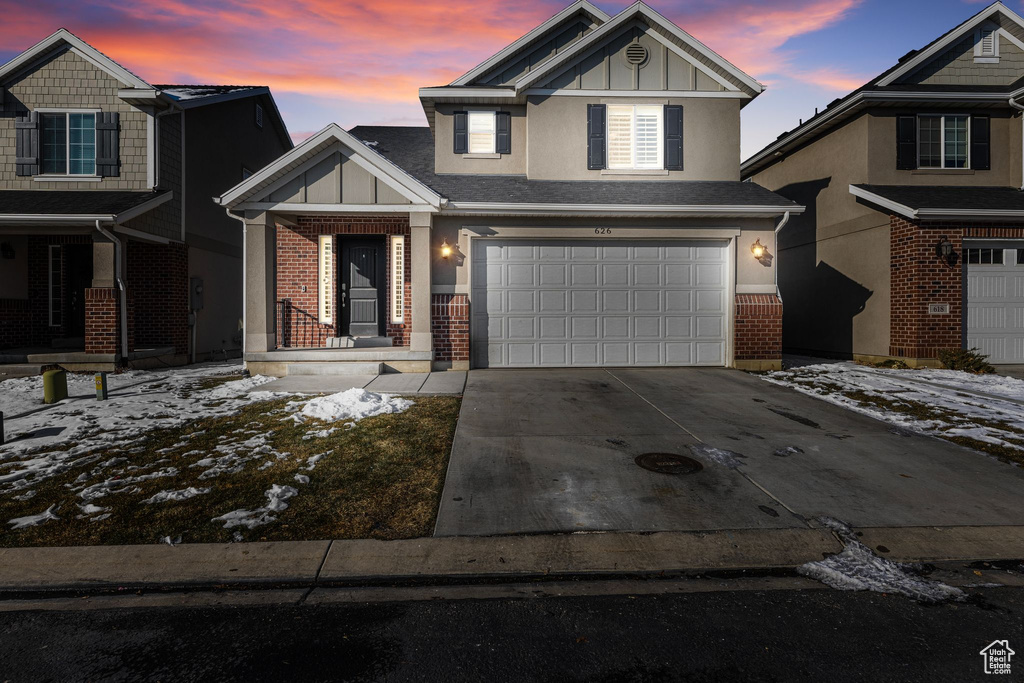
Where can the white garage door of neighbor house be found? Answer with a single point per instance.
(597, 302)
(995, 303)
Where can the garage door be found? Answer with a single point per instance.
(995, 303)
(596, 303)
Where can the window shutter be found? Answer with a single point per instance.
(596, 142)
(108, 157)
(461, 134)
(673, 137)
(981, 143)
(26, 129)
(906, 142)
(503, 132)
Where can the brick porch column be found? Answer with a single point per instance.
(420, 260)
(758, 332)
(101, 320)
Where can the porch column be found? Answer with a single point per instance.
(102, 310)
(260, 285)
(419, 253)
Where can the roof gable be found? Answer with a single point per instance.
(63, 39)
(552, 36)
(331, 168)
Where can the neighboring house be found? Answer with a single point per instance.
(575, 201)
(111, 249)
(913, 241)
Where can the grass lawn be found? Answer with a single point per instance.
(381, 478)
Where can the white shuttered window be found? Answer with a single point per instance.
(635, 136)
(481, 132)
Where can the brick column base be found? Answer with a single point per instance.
(758, 332)
(101, 328)
(449, 325)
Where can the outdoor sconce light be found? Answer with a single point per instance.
(446, 249)
(944, 251)
(7, 250)
(758, 249)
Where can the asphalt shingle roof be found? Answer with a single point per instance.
(412, 149)
(945, 197)
(189, 93)
(71, 202)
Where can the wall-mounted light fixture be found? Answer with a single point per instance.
(7, 250)
(758, 249)
(446, 249)
(944, 251)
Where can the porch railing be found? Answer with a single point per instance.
(297, 328)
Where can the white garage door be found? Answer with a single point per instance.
(579, 303)
(995, 303)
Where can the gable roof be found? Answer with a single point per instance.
(291, 162)
(62, 37)
(533, 36)
(884, 88)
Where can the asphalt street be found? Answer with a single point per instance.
(728, 635)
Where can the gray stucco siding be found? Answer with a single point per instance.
(447, 161)
(69, 81)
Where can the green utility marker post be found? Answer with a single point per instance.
(55, 386)
(101, 386)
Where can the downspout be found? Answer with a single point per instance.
(245, 276)
(120, 285)
(1020, 108)
(780, 226)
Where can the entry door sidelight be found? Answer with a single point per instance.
(363, 286)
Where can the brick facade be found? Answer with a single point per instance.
(15, 323)
(298, 324)
(449, 326)
(758, 327)
(101, 324)
(158, 295)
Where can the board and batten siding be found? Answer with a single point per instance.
(334, 180)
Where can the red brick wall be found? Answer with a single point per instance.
(101, 328)
(449, 325)
(15, 323)
(758, 327)
(158, 296)
(298, 320)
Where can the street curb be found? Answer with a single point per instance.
(468, 559)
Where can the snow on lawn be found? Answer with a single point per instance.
(354, 404)
(985, 408)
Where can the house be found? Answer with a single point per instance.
(575, 200)
(111, 250)
(913, 240)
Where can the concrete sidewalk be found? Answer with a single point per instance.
(504, 558)
(403, 383)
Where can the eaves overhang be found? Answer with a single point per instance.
(456, 208)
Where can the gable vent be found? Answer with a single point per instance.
(636, 54)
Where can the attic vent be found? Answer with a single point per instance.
(636, 54)
(259, 116)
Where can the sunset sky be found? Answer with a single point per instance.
(362, 62)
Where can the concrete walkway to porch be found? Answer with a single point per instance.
(405, 383)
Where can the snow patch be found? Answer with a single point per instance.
(353, 404)
(276, 497)
(718, 456)
(34, 520)
(181, 494)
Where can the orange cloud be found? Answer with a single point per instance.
(831, 79)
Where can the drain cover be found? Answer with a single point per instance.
(668, 463)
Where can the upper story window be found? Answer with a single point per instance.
(68, 144)
(635, 136)
(482, 132)
(943, 141)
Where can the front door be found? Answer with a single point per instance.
(362, 286)
(78, 264)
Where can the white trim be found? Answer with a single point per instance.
(143, 208)
(942, 142)
(79, 47)
(506, 52)
(150, 151)
(1003, 33)
(67, 178)
(139, 94)
(144, 236)
(467, 92)
(883, 202)
(564, 92)
(457, 208)
(948, 39)
(325, 279)
(362, 154)
(299, 207)
(396, 307)
(57, 218)
(635, 10)
(979, 54)
(67, 110)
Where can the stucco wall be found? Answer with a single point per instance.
(68, 81)
(557, 146)
(445, 159)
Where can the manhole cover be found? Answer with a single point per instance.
(668, 463)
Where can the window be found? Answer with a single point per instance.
(259, 116)
(481, 132)
(984, 257)
(635, 136)
(68, 144)
(55, 285)
(397, 278)
(942, 142)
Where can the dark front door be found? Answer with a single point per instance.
(78, 264)
(362, 286)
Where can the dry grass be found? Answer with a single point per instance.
(383, 480)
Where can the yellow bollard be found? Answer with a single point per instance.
(55, 386)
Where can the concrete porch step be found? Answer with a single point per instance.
(359, 342)
(9, 370)
(347, 368)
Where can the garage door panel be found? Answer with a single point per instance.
(995, 309)
(599, 303)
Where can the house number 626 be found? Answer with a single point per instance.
(602, 231)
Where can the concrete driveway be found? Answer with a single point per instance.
(553, 451)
